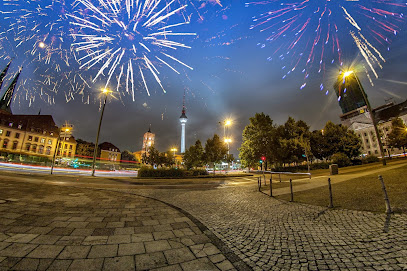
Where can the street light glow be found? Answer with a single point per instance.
(105, 90)
(228, 140)
(174, 149)
(228, 122)
(347, 73)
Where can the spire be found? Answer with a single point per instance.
(183, 116)
(149, 129)
(3, 74)
(5, 101)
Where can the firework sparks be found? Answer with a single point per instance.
(128, 37)
(311, 32)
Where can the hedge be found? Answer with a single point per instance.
(145, 172)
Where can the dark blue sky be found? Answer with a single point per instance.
(232, 78)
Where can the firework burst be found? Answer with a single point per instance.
(123, 39)
(311, 32)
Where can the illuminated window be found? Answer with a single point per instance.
(48, 150)
(30, 138)
(49, 142)
(1, 131)
(5, 143)
(10, 124)
(20, 126)
(42, 140)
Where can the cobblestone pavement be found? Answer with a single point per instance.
(49, 227)
(269, 234)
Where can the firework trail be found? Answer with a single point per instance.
(125, 38)
(311, 32)
(34, 36)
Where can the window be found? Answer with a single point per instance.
(34, 148)
(365, 134)
(44, 132)
(66, 146)
(48, 150)
(51, 133)
(49, 142)
(1, 131)
(43, 140)
(41, 149)
(27, 146)
(8, 133)
(10, 124)
(369, 152)
(17, 135)
(20, 126)
(70, 147)
(36, 139)
(367, 140)
(5, 143)
(30, 138)
(70, 154)
(376, 152)
(14, 145)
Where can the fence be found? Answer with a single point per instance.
(279, 175)
(330, 205)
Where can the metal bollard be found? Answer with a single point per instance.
(331, 204)
(265, 184)
(271, 189)
(291, 189)
(279, 175)
(386, 198)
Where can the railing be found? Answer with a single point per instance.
(279, 175)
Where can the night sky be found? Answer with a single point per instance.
(233, 77)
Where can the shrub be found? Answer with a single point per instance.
(146, 172)
(371, 159)
(341, 159)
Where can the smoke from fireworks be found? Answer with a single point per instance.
(310, 33)
(125, 38)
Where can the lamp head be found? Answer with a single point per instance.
(347, 73)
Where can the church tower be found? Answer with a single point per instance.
(5, 101)
(148, 140)
(3, 74)
(183, 119)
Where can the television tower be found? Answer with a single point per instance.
(183, 119)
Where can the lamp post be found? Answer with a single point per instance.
(105, 92)
(369, 108)
(227, 141)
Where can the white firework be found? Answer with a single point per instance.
(124, 38)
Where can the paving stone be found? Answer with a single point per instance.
(74, 252)
(17, 250)
(131, 249)
(150, 261)
(59, 265)
(82, 232)
(175, 267)
(86, 264)
(199, 264)
(123, 231)
(95, 240)
(119, 263)
(27, 264)
(226, 265)
(46, 239)
(46, 251)
(178, 255)
(142, 237)
(21, 238)
(70, 240)
(162, 235)
(99, 251)
(119, 239)
(153, 246)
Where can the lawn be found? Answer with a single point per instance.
(364, 193)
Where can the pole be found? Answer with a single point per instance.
(55, 154)
(291, 190)
(97, 137)
(271, 189)
(331, 204)
(369, 108)
(386, 198)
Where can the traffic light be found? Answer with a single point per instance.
(263, 158)
(261, 161)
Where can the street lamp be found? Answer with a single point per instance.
(174, 150)
(369, 108)
(227, 141)
(105, 92)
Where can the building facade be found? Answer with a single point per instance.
(109, 152)
(360, 122)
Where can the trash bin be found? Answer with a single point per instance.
(333, 169)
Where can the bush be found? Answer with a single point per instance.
(371, 159)
(146, 172)
(341, 159)
(356, 162)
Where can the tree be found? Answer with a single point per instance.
(128, 156)
(194, 156)
(152, 157)
(259, 139)
(398, 135)
(318, 145)
(169, 159)
(215, 150)
(339, 139)
(84, 148)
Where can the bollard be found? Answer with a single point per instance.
(258, 184)
(271, 189)
(279, 176)
(264, 176)
(331, 204)
(291, 189)
(386, 198)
